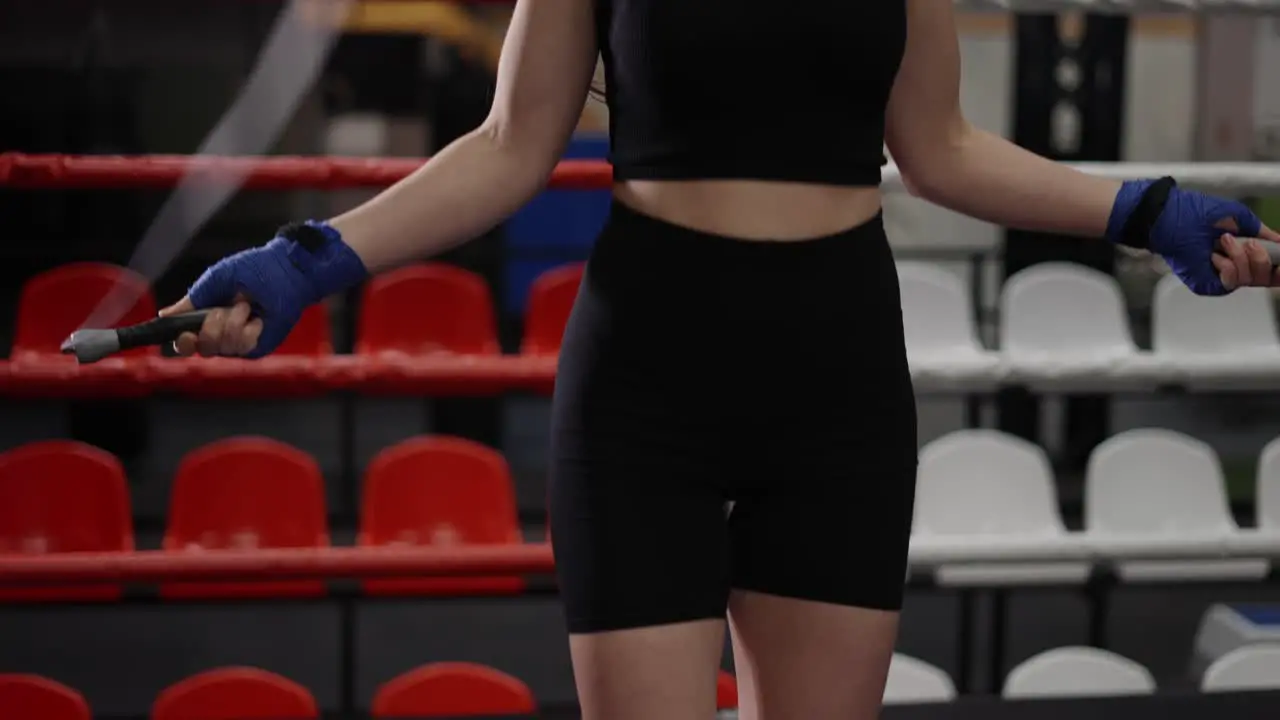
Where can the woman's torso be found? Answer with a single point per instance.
(755, 119)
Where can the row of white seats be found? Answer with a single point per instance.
(1147, 485)
(1064, 327)
(1069, 672)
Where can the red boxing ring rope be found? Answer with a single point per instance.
(126, 172)
(158, 566)
(153, 566)
(437, 375)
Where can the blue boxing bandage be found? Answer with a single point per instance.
(1181, 226)
(305, 263)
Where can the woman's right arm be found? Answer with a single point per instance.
(548, 60)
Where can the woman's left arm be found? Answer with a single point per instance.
(949, 162)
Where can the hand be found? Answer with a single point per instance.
(258, 295)
(1244, 262)
(1196, 234)
(226, 332)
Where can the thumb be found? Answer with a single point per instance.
(1267, 233)
(1247, 223)
(182, 306)
(215, 288)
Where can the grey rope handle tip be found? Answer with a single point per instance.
(1273, 251)
(91, 345)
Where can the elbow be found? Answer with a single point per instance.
(928, 181)
(909, 183)
(532, 156)
(933, 174)
(932, 167)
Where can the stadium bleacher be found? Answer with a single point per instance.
(975, 485)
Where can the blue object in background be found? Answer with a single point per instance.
(557, 227)
(1258, 614)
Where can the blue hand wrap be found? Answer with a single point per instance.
(1183, 231)
(301, 266)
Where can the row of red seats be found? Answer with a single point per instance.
(252, 492)
(428, 328)
(447, 689)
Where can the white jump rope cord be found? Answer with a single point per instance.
(287, 67)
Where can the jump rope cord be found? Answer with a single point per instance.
(287, 67)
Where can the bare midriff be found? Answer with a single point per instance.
(752, 209)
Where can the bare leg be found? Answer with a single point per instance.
(806, 660)
(667, 672)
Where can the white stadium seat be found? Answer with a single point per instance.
(989, 486)
(1064, 327)
(913, 681)
(942, 339)
(1266, 503)
(1157, 485)
(1078, 672)
(1217, 342)
(1252, 667)
(1268, 493)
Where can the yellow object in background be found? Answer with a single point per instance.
(474, 35)
(477, 35)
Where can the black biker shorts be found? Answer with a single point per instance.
(697, 370)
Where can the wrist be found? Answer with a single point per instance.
(318, 250)
(366, 232)
(1137, 208)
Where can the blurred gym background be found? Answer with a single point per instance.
(145, 77)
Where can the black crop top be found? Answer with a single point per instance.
(791, 90)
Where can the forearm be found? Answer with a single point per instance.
(465, 190)
(989, 178)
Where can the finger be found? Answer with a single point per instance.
(249, 338)
(185, 345)
(210, 339)
(233, 329)
(1226, 270)
(1235, 251)
(1259, 262)
(182, 306)
(1228, 224)
(1267, 233)
(1246, 222)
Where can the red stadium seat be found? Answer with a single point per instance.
(235, 693)
(242, 494)
(550, 300)
(427, 308)
(311, 337)
(56, 302)
(62, 496)
(453, 689)
(31, 697)
(726, 691)
(439, 491)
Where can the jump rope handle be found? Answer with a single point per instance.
(1273, 251)
(93, 345)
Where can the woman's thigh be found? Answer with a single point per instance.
(809, 660)
(638, 525)
(819, 558)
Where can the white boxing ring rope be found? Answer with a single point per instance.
(1233, 179)
(931, 551)
(1122, 6)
